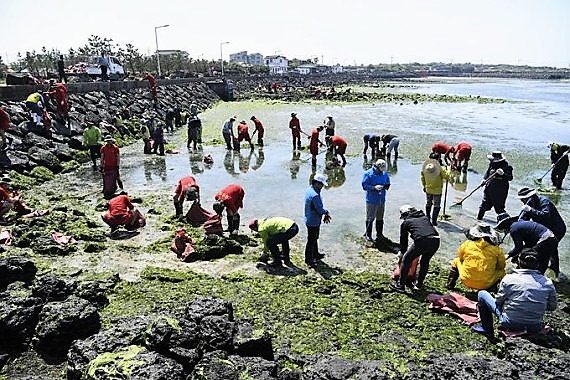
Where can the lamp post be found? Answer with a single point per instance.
(222, 54)
(156, 39)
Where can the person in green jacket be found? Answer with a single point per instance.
(433, 176)
(92, 140)
(275, 231)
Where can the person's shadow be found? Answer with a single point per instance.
(295, 164)
(259, 159)
(291, 271)
(122, 234)
(326, 271)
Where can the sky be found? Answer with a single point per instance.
(526, 32)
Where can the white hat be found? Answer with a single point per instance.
(481, 230)
(380, 164)
(319, 177)
(405, 210)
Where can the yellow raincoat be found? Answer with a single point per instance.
(434, 184)
(480, 264)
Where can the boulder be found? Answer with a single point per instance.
(165, 333)
(215, 366)
(45, 158)
(254, 368)
(251, 342)
(60, 323)
(93, 292)
(19, 313)
(217, 333)
(51, 288)
(15, 160)
(63, 152)
(31, 140)
(134, 363)
(124, 333)
(202, 307)
(336, 368)
(16, 268)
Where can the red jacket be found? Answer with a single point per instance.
(242, 128)
(185, 183)
(120, 206)
(151, 80)
(339, 144)
(4, 120)
(295, 124)
(440, 147)
(463, 147)
(258, 125)
(110, 156)
(232, 196)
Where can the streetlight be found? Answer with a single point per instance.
(156, 39)
(222, 54)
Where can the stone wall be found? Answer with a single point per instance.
(96, 103)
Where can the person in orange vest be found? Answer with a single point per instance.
(231, 199)
(187, 189)
(122, 212)
(4, 126)
(58, 94)
(110, 160)
(243, 134)
(295, 126)
(338, 145)
(259, 129)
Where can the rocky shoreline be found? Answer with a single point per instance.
(178, 324)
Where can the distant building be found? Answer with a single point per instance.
(306, 69)
(277, 64)
(337, 69)
(254, 59)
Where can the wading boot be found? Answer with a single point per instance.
(435, 215)
(230, 219)
(235, 225)
(428, 211)
(178, 208)
(368, 234)
(480, 214)
(380, 231)
(452, 278)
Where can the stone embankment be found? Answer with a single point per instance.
(32, 147)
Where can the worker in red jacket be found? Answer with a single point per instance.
(243, 134)
(187, 189)
(338, 145)
(58, 95)
(4, 126)
(11, 200)
(231, 199)
(441, 149)
(110, 160)
(461, 156)
(259, 129)
(295, 126)
(152, 82)
(123, 213)
(314, 144)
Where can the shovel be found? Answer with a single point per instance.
(459, 203)
(539, 180)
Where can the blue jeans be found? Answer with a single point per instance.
(487, 307)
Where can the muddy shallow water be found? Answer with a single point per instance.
(275, 177)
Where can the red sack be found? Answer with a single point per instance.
(411, 272)
(197, 215)
(214, 225)
(182, 245)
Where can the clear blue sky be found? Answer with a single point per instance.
(345, 32)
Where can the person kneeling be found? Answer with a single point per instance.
(522, 300)
(275, 231)
(481, 262)
(123, 213)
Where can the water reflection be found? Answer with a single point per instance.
(367, 164)
(245, 161)
(259, 158)
(156, 166)
(335, 174)
(195, 160)
(229, 163)
(392, 166)
(295, 165)
(459, 181)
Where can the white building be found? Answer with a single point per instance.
(306, 69)
(255, 59)
(337, 69)
(277, 64)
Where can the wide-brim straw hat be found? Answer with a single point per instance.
(504, 221)
(526, 192)
(482, 230)
(496, 156)
(431, 168)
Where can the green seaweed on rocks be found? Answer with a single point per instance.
(42, 174)
(115, 365)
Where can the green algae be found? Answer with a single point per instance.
(42, 174)
(21, 181)
(115, 365)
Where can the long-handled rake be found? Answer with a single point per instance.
(460, 203)
(445, 216)
(539, 180)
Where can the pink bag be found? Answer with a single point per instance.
(214, 225)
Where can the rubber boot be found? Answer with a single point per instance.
(178, 208)
(452, 278)
(380, 230)
(435, 215)
(230, 219)
(235, 225)
(428, 211)
(368, 234)
(480, 214)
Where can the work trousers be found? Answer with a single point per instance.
(283, 239)
(312, 247)
(424, 247)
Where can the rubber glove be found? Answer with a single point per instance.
(500, 171)
(327, 219)
(526, 208)
(379, 187)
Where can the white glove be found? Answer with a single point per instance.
(500, 171)
(379, 187)
(526, 208)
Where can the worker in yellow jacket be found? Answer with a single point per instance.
(480, 262)
(274, 231)
(433, 176)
